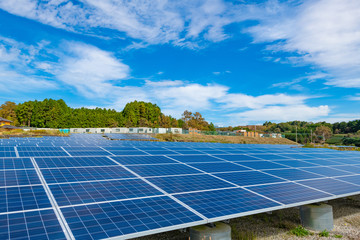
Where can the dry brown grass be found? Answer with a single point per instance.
(31, 133)
(221, 139)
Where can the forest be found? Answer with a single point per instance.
(51, 113)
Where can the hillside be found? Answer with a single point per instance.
(221, 139)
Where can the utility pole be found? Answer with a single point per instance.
(324, 137)
(311, 135)
(296, 134)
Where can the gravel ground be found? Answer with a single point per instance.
(278, 224)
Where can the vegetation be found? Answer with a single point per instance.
(220, 139)
(324, 233)
(4, 133)
(51, 113)
(300, 231)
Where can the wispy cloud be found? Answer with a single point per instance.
(323, 33)
(181, 23)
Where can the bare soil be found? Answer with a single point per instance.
(278, 224)
(221, 139)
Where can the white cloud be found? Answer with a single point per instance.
(325, 33)
(354, 98)
(159, 21)
(282, 113)
(16, 72)
(246, 101)
(93, 72)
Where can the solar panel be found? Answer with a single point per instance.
(41, 224)
(162, 170)
(332, 186)
(23, 198)
(218, 167)
(196, 158)
(18, 177)
(129, 189)
(63, 162)
(112, 219)
(248, 178)
(289, 193)
(178, 184)
(224, 203)
(15, 163)
(88, 192)
(131, 160)
(84, 174)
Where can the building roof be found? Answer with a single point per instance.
(4, 120)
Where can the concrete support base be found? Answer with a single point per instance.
(221, 231)
(317, 217)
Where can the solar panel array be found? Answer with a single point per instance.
(129, 136)
(86, 187)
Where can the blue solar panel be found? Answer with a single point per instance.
(221, 203)
(142, 160)
(288, 193)
(23, 198)
(237, 158)
(196, 158)
(73, 162)
(248, 178)
(89, 153)
(262, 165)
(31, 225)
(268, 156)
(15, 163)
(188, 152)
(176, 184)
(332, 186)
(297, 156)
(326, 171)
(348, 168)
(344, 161)
(351, 179)
(79, 193)
(8, 154)
(161, 152)
(127, 152)
(218, 167)
(18, 177)
(43, 154)
(85, 174)
(293, 174)
(97, 221)
(323, 162)
(296, 163)
(162, 170)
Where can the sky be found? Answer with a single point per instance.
(236, 62)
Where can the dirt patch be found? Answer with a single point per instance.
(278, 224)
(221, 139)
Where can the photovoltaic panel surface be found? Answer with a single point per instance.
(129, 189)
(87, 192)
(222, 203)
(97, 221)
(41, 224)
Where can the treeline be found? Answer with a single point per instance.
(51, 113)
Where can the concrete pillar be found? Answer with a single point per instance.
(317, 217)
(220, 231)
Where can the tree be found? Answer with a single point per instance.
(324, 132)
(8, 111)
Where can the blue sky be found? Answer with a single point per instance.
(236, 62)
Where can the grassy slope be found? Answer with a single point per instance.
(221, 139)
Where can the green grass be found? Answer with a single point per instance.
(300, 231)
(324, 233)
(338, 236)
